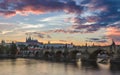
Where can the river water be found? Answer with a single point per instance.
(40, 67)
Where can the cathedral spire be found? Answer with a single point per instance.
(29, 38)
(26, 39)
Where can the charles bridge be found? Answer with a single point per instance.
(85, 53)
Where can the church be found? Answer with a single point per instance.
(32, 41)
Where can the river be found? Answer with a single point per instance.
(40, 67)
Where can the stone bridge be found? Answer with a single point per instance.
(85, 53)
(91, 53)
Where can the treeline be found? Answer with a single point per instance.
(8, 50)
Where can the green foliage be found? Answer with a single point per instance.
(13, 48)
(4, 49)
(1, 49)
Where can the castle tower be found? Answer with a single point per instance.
(28, 39)
(3, 42)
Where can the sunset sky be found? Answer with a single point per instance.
(61, 21)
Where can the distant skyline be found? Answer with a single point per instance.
(61, 21)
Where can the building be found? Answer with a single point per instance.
(34, 44)
(32, 41)
(57, 45)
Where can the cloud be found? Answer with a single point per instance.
(64, 31)
(8, 27)
(113, 33)
(94, 13)
(78, 29)
(87, 28)
(90, 15)
(100, 40)
(13, 7)
(62, 40)
(48, 36)
(41, 35)
(28, 26)
(97, 14)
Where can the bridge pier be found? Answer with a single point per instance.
(94, 55)
(115, 59)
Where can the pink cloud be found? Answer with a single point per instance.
(113, 33)
(24, 7)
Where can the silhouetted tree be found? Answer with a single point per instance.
(65, 51)
(1, 49)
(13, 49)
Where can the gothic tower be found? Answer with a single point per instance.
(113, 47)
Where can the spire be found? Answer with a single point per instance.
(48, 42)
(86, 44)
(113, 43)
(26, 38)
(113, 47)
(29, 37)
(93, 44)
(86, 47)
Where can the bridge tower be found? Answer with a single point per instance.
(113, 47)
(115, 54)
(113, 50)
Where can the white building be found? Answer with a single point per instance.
(58, 45)
(34, 44)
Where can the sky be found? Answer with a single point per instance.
(61, 21)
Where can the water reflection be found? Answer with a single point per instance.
(40, 67)
(89, 65)
(115, 67)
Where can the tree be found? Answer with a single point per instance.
(1, 49)
(13, 49)
(65, 51)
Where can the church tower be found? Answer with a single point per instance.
(28, 39)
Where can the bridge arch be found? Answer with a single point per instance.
(58, 55)
(93, 56)
(73, 54)
(46, 54)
